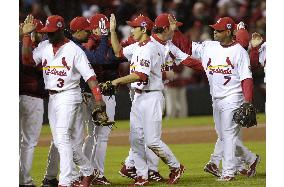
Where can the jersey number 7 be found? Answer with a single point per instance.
(227, 79)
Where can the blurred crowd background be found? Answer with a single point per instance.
(196, 15)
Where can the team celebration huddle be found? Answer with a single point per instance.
(75, 65)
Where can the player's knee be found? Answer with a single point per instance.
(152, 144)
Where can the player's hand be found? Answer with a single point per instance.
(112, 23)
(173, 22)
(256, 39)
(29, 25)
(100, 104)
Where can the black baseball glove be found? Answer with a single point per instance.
(245, 115)
(100, 118)
(107, 88)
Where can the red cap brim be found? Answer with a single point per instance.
(46, 29)
(217, 27)
(130, 23)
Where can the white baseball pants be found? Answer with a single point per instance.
(65, 117)
(95, 144)
(229, 143)
(146, 128)
(31, 118)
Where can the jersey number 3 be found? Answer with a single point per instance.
(60, 83)
(227, 79)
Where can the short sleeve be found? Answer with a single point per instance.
(129, 50)
(38, 51)
(244, 69)
(197, 49)
(83, 65)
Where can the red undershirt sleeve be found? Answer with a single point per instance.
(247, 88)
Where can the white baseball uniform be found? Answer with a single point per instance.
(147, 106)
(62, 70)
(225, 68)
(95, 150)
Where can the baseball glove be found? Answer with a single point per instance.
(245, 115)
(100, 118)
(107, 88)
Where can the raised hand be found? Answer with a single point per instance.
(112, 23)
(256, 39)
(173, 22)
(29, 25)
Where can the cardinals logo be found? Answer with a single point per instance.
(64, 63)
(229, 62)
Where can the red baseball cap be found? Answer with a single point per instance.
(141, 21)
(53, 23)
(97, 19)
(39, 25)
(80, 23)
(225, 23)
(163, 21)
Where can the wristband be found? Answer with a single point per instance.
(97, 93)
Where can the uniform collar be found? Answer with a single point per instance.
(231, 44)
(144, 42)
(159, 40)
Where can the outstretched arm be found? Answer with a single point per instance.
(27, 28)
(114, 39)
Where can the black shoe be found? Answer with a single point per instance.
(49, 182)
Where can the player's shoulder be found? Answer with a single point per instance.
(43, 43)
(148, 45)
(240, 48)
(74, 48)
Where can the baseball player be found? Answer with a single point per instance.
(31, 100)
(95, 144)
(147, 57)
(227, 67)
(243, 155)
(63, 64)
(258, 52)
(128, 169)
(80, 28)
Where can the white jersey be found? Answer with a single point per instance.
(146, 58)
(63, 70)
(225, 67)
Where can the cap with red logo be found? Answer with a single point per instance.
(39, 25)
(225, 23)
(53, 24)
(141, 21)
(163, 21)
(80, 23)
(98, 19)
